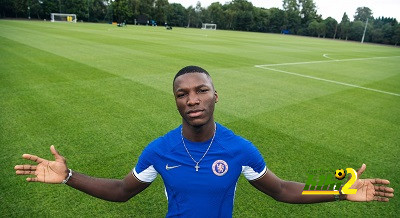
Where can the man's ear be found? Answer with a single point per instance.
(216, 96)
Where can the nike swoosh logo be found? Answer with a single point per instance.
(171, 167)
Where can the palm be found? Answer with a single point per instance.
(46, 171)
(365, 191)
(51, 171)
(370, 189)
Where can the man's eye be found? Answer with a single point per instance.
(180, 95)
(203, 90)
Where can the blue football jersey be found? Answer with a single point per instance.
(210, 191)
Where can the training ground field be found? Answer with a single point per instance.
(101, 93)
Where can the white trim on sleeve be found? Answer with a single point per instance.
(250, 174)
(148, 175)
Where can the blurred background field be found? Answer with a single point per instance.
(100, 94)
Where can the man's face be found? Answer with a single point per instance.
(195, 98)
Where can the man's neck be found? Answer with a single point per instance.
(198, 133)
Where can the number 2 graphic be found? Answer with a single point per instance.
(346, 188)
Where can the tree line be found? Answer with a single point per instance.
(299, 17)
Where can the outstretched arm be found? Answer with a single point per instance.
(287, 191)
(56, 171)
(108, 189)
(290, 192)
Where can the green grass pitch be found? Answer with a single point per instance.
(100, 94)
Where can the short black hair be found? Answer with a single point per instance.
(190, 69)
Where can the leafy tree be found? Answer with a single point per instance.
(205, 16)
(216, 14)
(388, 32)
(331, 27)
(121, 10)
(160, 11)
(244, 19)
(313, 28)
(50, 6)
(98, 11)
(356, 30)
(35, 9)
(6, 8)
(396, 35)
(194, 15)
(276, 20)
(384, 30)
(380, 21)
(362, 13)
(145, 7)
(176, 15)
(261, 20)
(308, 12)
(292, 15)
(344, 26)
(321, 29)
(377, 35)
(230, 15)
(77, 7)
(20, 8)
(191, 15)
(244, 14)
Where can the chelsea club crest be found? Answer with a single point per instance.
(220, 167)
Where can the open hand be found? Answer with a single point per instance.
(45, 171)
(370, 189)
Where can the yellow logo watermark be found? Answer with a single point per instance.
(327, 185)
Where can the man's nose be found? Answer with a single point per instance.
(193, 99)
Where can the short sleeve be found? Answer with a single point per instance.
(255, 166)
(144, 170)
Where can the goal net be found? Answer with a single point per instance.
(57, 17)
(209, 26)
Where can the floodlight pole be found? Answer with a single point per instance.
(365, 29)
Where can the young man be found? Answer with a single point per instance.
(199, 161)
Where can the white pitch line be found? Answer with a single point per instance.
(316, 62)
(326, 56)
(331, 81)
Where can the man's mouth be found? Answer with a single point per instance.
(195, 113)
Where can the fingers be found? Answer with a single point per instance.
(54, 151)
(361, 170)
(25, 172)
(384, 194)
(25, 167)
(33, 158)
(57, 155)
(384, 189)
(377, 198)
(379, 181)
(34, 179)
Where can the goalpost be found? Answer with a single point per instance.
(209, 26)
(57, 17)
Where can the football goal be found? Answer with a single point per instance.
(209, 26)
(57, 17)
